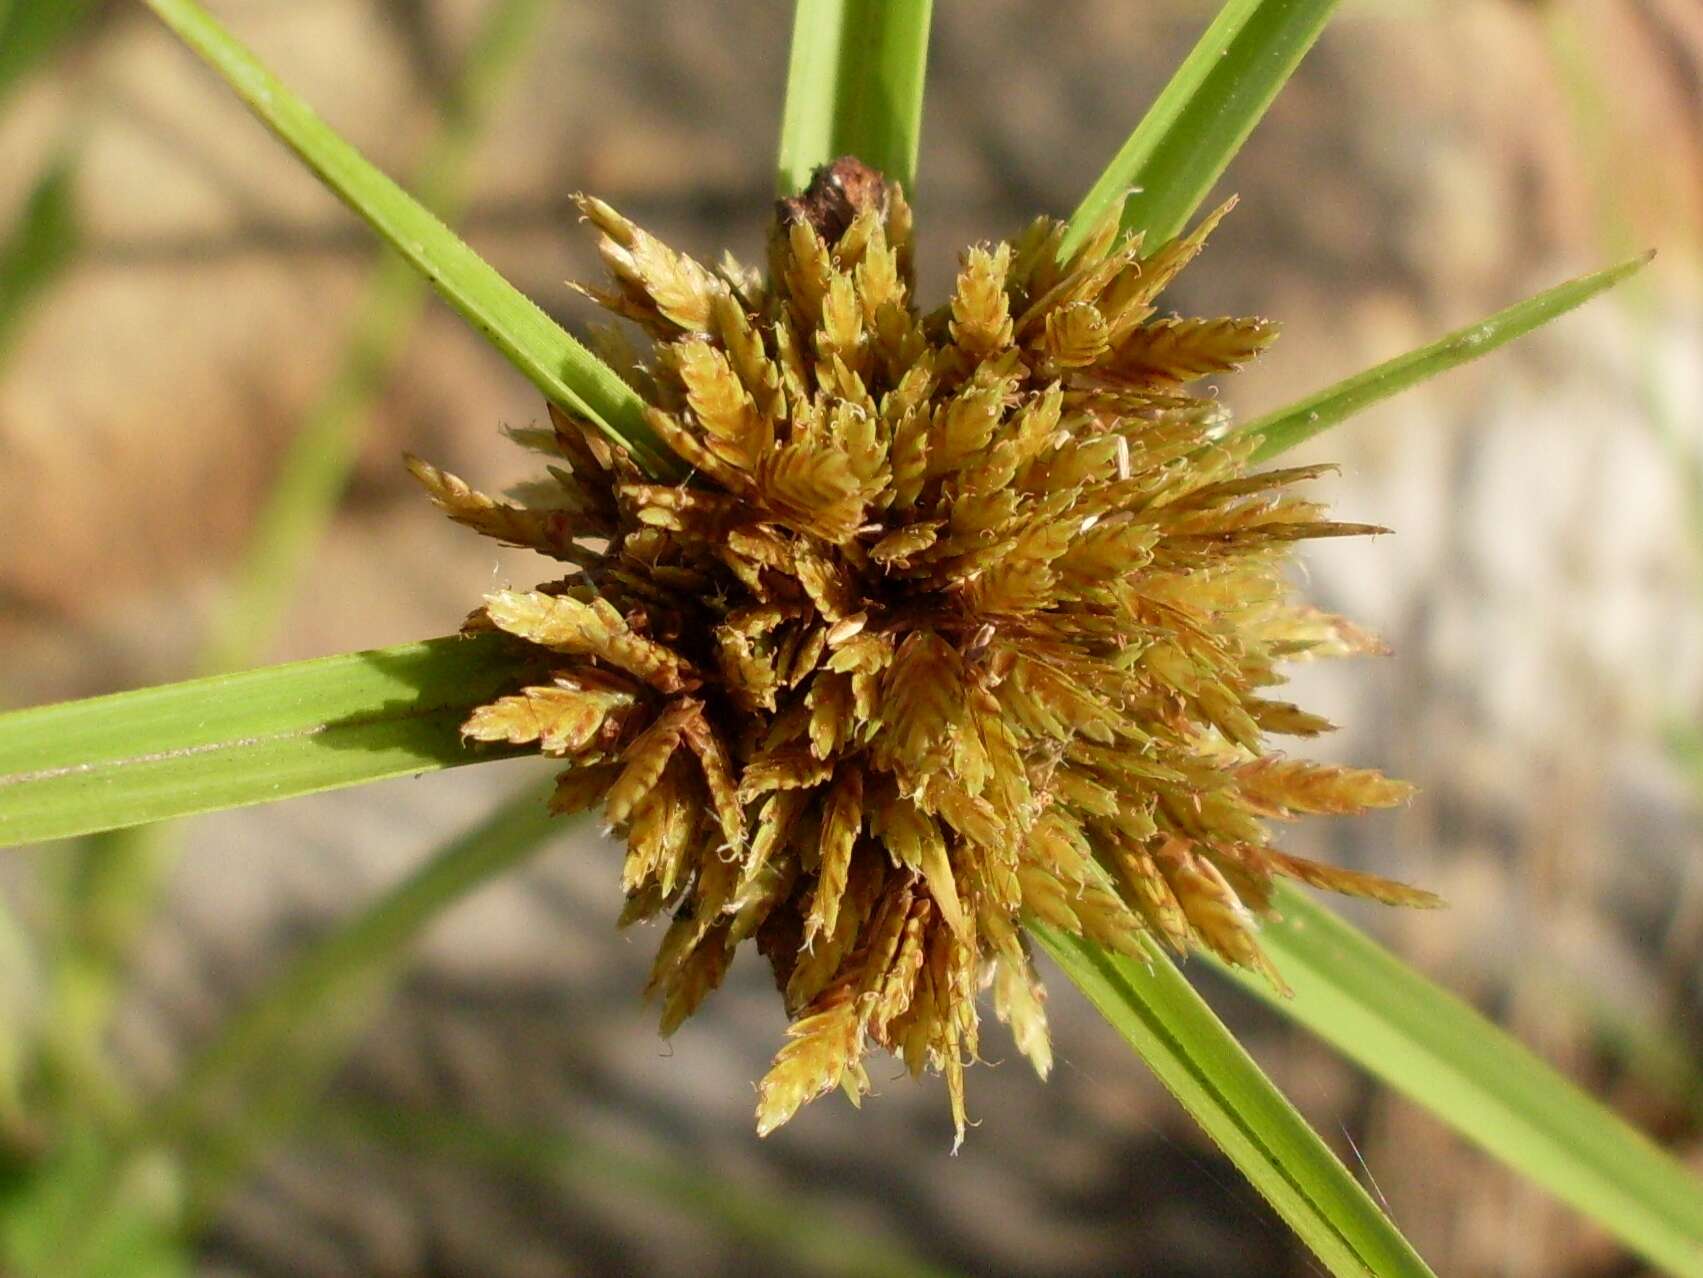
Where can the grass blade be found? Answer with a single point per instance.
(1434, 1049)
(230, 740)
(1300, 421)
(1203, 1066)
(535, 344)
(854, 86)
(1201, 118)
(38, 248)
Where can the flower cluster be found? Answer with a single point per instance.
(958, 618)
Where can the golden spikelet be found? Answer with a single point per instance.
(550, 532)
(1280, 786)
(823, 1046)
(562, 720)
(961, 618)
(842, 819)
(1076, 335)
(981, 312)
(735, 431)
(821, 962)
(1181, 350)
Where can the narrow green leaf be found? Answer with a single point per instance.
(38, 248)
(854, 87)
(231, 740)
(1289, 426)
(535, 344)
(812, 79)
(1201, 118)
(1433, 1048)
(1203, 1066)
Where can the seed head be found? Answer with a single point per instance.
(961, 617)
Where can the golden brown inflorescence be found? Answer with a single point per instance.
(958, 618)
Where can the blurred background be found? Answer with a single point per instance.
(178, 303)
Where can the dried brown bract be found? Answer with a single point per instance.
(961, 617)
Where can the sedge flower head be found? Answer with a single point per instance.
(957, 618)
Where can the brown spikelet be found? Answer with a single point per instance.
(893, 993)
(733, 428)
(643, 761)
(842, 819)
(718, 777)
(550, 532)
(958, 617)
(981, 313)
(562, 720)
(567, 625)
(822, 1046)
(1181, 350)
(1278, 786)
(830, 702)
(820, 962)
(664, 290)
(1352, 882)
(1164, 265)
(697, 976)
(580, 787)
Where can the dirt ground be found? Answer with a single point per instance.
(1431, 163)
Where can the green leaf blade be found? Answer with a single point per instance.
(1433, 1048)
(1203, 1066)
(231, 740)
(1202, 116)
(565, 371)
(855, 81)
(1300, 421)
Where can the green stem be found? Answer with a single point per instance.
(1433, 1048)
(315, 468)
